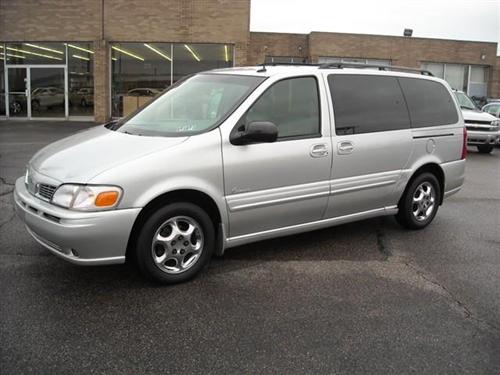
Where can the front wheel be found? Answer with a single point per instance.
(484, 149)
(175, 243)
(420, 202)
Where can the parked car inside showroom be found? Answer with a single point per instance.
(46, 97)
(232, 156)
(483, 129)
(82, 97)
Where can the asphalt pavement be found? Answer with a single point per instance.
(367, 297)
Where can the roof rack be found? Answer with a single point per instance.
(352, 65)
(379, 67)
(291, 63)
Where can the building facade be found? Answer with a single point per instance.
(98, 59)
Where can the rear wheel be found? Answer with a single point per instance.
(175, 243)
(35, 105)
(484, 149)
(420, 202)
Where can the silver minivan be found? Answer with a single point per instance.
(232, 156)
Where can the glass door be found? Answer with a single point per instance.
(18, 92)
(48, 98)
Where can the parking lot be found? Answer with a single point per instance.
(367, 297)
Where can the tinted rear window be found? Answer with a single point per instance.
(429, 103)
(367, 104)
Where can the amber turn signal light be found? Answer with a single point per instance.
(106, 198)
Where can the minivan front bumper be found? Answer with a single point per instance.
(87, 238)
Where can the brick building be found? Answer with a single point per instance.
(103, 58)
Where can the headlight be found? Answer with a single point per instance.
(87, 197)
(495, 123)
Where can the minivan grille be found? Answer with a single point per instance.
(46, 191)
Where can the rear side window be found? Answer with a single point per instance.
(292, 105)
(367, 104)
(429, 103)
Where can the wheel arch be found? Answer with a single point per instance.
(433, 168)
(194, 196)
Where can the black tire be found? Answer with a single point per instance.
(35, 105)
(144, 245)
(484, 149)
(406, 216)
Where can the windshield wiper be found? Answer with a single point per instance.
(466, 107)
(129, 133)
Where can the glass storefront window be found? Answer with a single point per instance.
(326, 60)
(139, 71)
(47, 92)
(34, 53)
(436, 69)
(55, 79)
(285, 59)
(471, 79)
(2, 86)
(192, 58)
(478, 85)
(456, 75)
(81, 79)
(350, 60)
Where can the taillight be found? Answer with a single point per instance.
(464, 144)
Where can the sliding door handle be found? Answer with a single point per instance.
(345, 147)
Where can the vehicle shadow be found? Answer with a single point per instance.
(358, 241)
(353, 241)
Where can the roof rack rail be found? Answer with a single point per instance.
(340, 65)
(379, 67)
(291, 64)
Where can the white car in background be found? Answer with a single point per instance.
(493, 108)
(483, 129)
(46, 97)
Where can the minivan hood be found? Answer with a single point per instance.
(84, 155)
(477, 115)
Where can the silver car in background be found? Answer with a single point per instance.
(232, 156)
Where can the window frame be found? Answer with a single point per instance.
(241, 121)
(334, 122)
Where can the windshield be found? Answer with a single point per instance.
(194, 105)
(464, 101)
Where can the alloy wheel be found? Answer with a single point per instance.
(177, 244)
(424, 201)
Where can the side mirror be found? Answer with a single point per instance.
(254, 132)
